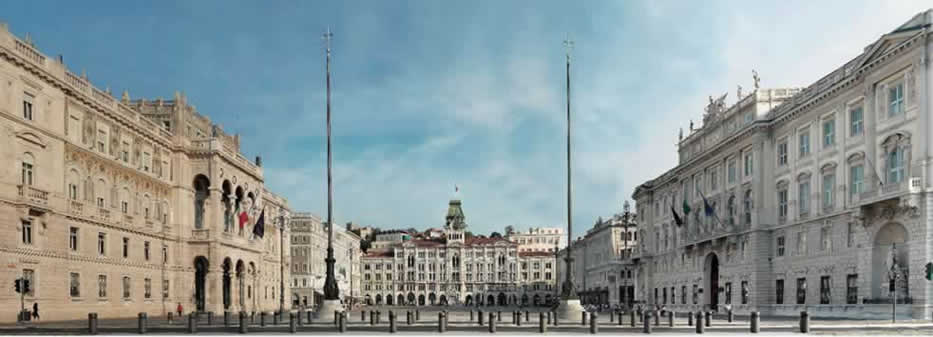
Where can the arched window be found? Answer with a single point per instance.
(201, 185)
(73, 180)
(125, 200)
(897, 155)
(28, 169)
(100, 190)
(147, 206)
(748, 206)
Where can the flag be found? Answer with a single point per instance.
(260, 228)
(707, 208)
(686, 208)
(677, 218)
(243, 218)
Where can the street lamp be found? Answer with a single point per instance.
(282, 224)
(894, 275)
(331, 302)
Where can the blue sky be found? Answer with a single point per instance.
(429, 94)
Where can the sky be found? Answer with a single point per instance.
(428, 95)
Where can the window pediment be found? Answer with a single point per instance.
(856, 157)
(828, 167)
(32, 138)
(803, 176)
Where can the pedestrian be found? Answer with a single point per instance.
(35, 311)
(180, 309)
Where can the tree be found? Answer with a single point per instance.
(365, 245)
(509, 230)
(495, 235)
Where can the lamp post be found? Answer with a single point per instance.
(282, 220)
(331, 302)
(894, 275)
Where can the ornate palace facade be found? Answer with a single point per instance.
(820, 198)
(456, 270)
(309, 248)
(120, 206)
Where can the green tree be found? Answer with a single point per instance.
(495, 235)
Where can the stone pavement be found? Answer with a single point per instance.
(460, 324)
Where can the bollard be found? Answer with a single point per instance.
(243, 323)
(492, 323)
(670, 318)
(227, 319)
(631, 315)
(690, 318)
(554, 314)
(526, 315)
(699, 322)
(363, 315)
(262, 318)
(417, 315)
(293, 322)
(252, 317)
(549, 317)
(92, 323)
(342, 323)
(170, 318)
(499, 316)
(372, 318)
(730, 316)
(542, 328)
(481, 318)
(310, 313)
(471, 315)
(408, 317)
(646, 324)
(594, 325)
(641, 315)
(804, 322)
(754, 322)
(657, 318)
(518, 319)
(141, 326)
(297, 314)
(440, 322)
(392, 328)
(583, 316)
(709, 319)
(619, 321)
(192, 325)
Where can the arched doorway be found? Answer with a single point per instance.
(490, 300)
(227, 266)
(421, 299)
(443, 300)
(411, 299)
(712, 281)
(547, 299)
(378, 299)
(368, 299)
(537, 299)
(200, 277)
(241, 284)
(389, 299)
(400, 300)
(432, 298)
(469, 300)
(524, 299)
(889, 247)
(502, 299)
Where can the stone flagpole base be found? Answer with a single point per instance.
(569, 310)
(326, 312)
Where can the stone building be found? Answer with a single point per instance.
(599, 275)
(121, 206)
(456, 270)
(308, 251)
(817, 195)
(539, 239)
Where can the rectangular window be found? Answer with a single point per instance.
(728, 291)
(712, 180)
(126, 247)
(856, 179)
(824, 290)
(147, 288)
(826, 239)
(803, 198)
(101, 243)
(782, 153)
(27, 232)
(27, 174)
(748, 164)
(856, 121)
(695, 295)
(146, 162)
(829, 132)
(782, 203)
(126, 287)
(683, 294)
(72, 191)
(27, 106)
(697, 184)
(102, 141)
(124, 206)
(73, 239)
(102, 286)
(779, 292)
(804, 141)
(146, 250)
(780, 246)
(850, 235)
(896, 99)
(852, 289)
(802, 242)
(732, 171)
(125, 153)
(802, 290)
(75, 285)
(829, 184)
(745, 292)
(896, 165)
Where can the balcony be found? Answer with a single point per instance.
(33, 195)
(76, 207)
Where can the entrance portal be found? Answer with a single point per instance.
(712, 281)
(200, 275)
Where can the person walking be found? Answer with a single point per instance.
(180, 309)
(35, 311)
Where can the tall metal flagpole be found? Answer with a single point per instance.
(568, 291)
(331, 292)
